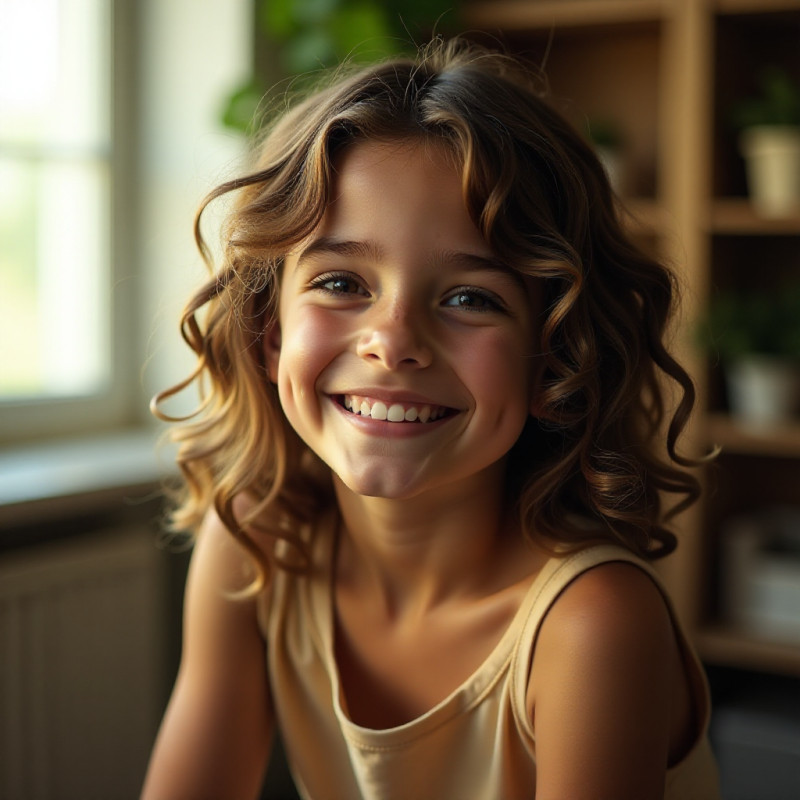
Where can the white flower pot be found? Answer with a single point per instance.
(772, 160)
(763, 390)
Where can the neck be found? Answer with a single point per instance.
(413, 554)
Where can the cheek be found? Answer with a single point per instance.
(310, 340)
(499, 371)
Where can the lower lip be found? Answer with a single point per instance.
(386, 429)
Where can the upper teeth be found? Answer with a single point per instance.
(396, 412)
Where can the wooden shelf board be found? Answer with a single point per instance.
(733, 437)
(730, 647)
(524, 15)
(736, 216)
(755, 6)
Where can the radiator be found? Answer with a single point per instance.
(81, 665)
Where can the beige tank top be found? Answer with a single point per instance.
(477, 744)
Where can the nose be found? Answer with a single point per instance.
(395, 337)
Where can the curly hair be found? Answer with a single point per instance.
(604, 446)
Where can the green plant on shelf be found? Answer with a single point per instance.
(746, 323)
(777, 103)
(307, 36)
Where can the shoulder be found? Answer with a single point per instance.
(219, 562)
(602, 684)
(615, 601)
(216, 733)
(217, 605)
(612, 614)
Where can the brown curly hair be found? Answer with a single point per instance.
(604, 447)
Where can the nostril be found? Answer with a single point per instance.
(393, 346)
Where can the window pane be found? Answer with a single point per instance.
(55, 73)
(54, 198)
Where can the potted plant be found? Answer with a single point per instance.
(298, 38)
(770, 143)
(756, 336)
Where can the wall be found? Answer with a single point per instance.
(191, 54)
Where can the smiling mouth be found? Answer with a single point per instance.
(393, 412)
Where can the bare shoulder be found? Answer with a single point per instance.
(219, 562)
(613, 605)
(215, 737)
(220, 617)
(612, 617)
(604, 687)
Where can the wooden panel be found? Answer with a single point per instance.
(514, 15)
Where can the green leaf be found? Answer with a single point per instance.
(277, 18)
(309, 50)
(362, 31)
(765, 322)
(778, 101)
(241, 108)
(415, 20)
(309, 13)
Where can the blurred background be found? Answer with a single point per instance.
(118, 116)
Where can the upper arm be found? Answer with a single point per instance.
(215, 738)
(600, 691)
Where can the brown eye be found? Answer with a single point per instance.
(338, 284)
(474, 300)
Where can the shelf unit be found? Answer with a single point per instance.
(666, 72)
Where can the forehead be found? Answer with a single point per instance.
(385, 152)
(397, 188)
(412, 166)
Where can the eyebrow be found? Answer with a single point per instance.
(367, 248)
(328, 245)
(472, 262)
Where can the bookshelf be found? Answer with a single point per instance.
(666, 72)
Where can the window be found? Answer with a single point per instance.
(57, 362)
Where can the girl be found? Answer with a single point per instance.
(427, 472)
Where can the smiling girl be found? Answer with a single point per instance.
(426, 476)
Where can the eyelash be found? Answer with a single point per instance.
(490, 300)
(321, 281)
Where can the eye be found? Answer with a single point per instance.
(338, 283)
(474, 299)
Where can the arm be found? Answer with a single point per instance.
(216, 734)
(605, 692)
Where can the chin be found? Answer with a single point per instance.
(384, 483)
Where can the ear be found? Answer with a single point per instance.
(272, 349)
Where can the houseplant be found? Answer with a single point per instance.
(295, 39)
(769, 141)
(756, 336)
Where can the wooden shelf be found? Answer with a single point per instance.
(729, 647)
(524, 15)
(666, 72)
(781, 441)
(754, 6)
(736, 216)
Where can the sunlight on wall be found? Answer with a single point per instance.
(185, 153)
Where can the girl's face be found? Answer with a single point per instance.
(405, 353)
